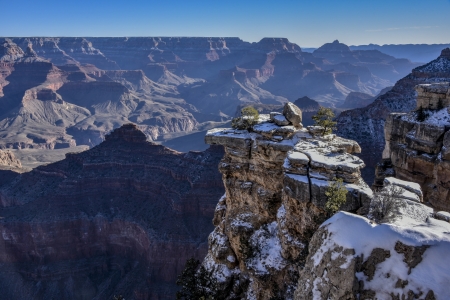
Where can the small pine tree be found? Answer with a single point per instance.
(336, 195)
(421, 115)
(324, 118)
(249, 117)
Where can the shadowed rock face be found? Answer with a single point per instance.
(121, 218)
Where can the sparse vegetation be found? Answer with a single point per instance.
(386, 203)
(324, 118)
(249, 117)
(336, 195)
(196, 282)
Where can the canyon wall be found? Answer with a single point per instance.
(120, 218)
(416, 147)
(366, 125)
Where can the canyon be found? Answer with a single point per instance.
(124, 216)
(66, 92)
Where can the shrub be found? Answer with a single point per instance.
(336, 195)
(386, 203)
(249, 117)
(324, 118)
(196, 282)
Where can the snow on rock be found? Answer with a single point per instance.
(443, 215)
(407, 185)
(280, 120)
(275, 179)
(267, 250)
(402, 258)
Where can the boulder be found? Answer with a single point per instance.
(293, 114)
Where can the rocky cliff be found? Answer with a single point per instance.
(121, 218)
(275, 180)
(352, 257)
(272, 239)
(417, 143)
(366, 125)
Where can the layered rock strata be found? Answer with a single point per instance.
(275, 180)
(121, 218)
(418, 149)
(351, 257)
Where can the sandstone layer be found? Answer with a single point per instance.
(121, 218)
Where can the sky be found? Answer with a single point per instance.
(307, 23)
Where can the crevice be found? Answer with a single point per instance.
(308, 168)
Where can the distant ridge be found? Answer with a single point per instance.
(414, 52)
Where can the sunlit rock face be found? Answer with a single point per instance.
(121, 218)
(416, 149)
(275, 180)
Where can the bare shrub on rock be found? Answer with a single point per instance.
(386, 203)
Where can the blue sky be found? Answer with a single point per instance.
(307, 23)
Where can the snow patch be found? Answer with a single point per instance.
(268, 250)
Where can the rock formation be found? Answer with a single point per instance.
(120, 218)
(351, 257)
(417, 149)
(8, 160)
(275, 180)
(366, 125)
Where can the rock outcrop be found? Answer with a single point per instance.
(351, 257)
(416, 147)
(8, 160)
(275, 180)
(120, 218)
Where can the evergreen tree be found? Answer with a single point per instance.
(249, 117)
(324, 118)
(336, 193)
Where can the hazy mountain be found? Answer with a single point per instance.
(414, 52)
